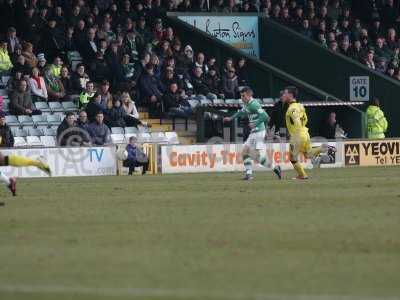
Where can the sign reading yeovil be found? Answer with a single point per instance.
(224, 158)
(372, 153)
(239, 31)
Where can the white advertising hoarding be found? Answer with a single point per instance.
(92, 161)
(227, 158)
(240, 32)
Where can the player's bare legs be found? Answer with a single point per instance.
(11, 183)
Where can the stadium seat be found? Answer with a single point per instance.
(231, 101)
(144, 137)
(20, 133)
(117, 138)
(117, 130)
(3, 92)
(19, 141)
(56, 107)
(34, 132)
(54, 120)
(74, 58)
(69, 106)
(193, 103)
(25, 120)
(5, 79)
(268, 101)
(50, 132)
(6, 104)
(143, 129)
(172, 137)
(39, 120)
(218, 101)
(128, 135)
(205, 101)
(42, 106)
(12, 120)
(34, 141)
(131, 130)
(48, 141)
(158, 137)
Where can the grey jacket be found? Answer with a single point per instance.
(100, 133)
(19, 102)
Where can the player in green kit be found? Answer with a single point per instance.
(255, 142)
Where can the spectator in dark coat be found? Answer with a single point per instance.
(21, 101)
(79, 79)
(242, 72)
(199, 85)
(99, 132)
(151, 91)
(94, 106)
(117, 115)
(99, 69)
(277, 120)
(6, 136)
(175, 104)
(230, 84)
(328, 127)
(88, 48)
(213, 82)
(69, 134)
(52, 40)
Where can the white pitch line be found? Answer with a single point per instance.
(165, 293)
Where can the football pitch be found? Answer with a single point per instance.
(203, 236)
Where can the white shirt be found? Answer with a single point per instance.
(42, 92)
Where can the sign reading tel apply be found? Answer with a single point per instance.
(359, 88)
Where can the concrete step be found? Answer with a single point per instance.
(143, 115)
(161, 128)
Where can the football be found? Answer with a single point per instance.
(122, 154)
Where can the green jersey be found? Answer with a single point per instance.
(255, 113)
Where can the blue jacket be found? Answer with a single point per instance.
(131, 152)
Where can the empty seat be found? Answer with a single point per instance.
(143, 129)
(20, 133)
(128, 135)
(172, 137)
(19, 141)
(232, 101)
(35, 132)
(6, 104)
(50, 132)
(218, 101)
(25, 120)
(131, 130)
(12, 120)
(117, 130)
(33, 141)
(5, 80)
(42, 106)
(69, 106)
(56, 106)
(54, 119)
(3, 92)
(144, 137)
(268, 100)
(205, 101)
(158, 137)
(193, 103)
(48, 141)
(39, 120)
(117, 138)
(42, 127)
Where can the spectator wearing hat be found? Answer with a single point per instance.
(41, 62)
(21, 101)
(12, 40)
(6, 136)
(5, 61)
(37, 86)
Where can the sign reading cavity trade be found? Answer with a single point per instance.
(239, 31)
(359, 88)
(372, 153)
(225, 158)
(67, 161)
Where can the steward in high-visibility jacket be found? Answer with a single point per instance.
(376, 121)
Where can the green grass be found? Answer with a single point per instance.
(203, 236)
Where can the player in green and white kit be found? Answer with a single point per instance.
(255, 142)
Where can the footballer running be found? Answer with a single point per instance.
(255, 142)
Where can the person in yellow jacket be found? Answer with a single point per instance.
(5, 61)
(376, 121)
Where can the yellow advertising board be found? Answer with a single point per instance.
(372, 153)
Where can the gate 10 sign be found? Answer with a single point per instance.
(359, 88)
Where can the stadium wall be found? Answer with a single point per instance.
(303, 58)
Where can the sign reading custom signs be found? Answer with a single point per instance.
(227, 158)
(372, 153)
(239, 31)
(359, 88)
(92, 161)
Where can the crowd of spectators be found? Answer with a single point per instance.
(364, 30)
(130, 59)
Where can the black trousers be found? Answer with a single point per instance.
(132, 164)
